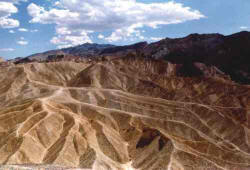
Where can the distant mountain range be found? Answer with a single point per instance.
(83, 50)
(230, 54)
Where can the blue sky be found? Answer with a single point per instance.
(31, 26)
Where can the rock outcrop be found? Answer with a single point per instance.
(123, 114)
(1, 60)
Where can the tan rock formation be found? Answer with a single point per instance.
(1, 59)
(121, 115)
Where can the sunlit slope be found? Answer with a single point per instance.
(121, 115)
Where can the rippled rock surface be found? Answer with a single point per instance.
(125, 114)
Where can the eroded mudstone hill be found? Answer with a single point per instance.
(1, 59)
(125, 114)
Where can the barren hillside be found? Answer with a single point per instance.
(1, 59)
(123, 114)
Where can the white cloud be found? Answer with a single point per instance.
(13, 1)
(123, 17)
(63, 31)
(7, 8)
(40, 15)
(6, 49)
(57, 3)
(26, 30)
(22, 42)
(8, 23)
(115, 36)
(11, 31)
(66, 38)
(243, 27)
(100, 36)
(64, 41)
(35, 30)
(124, 33)
(23, 30)
(156, 38)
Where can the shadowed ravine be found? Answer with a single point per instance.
(121, 116)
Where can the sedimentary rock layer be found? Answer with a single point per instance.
(125, 114)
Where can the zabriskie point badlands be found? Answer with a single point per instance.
(111, 96)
